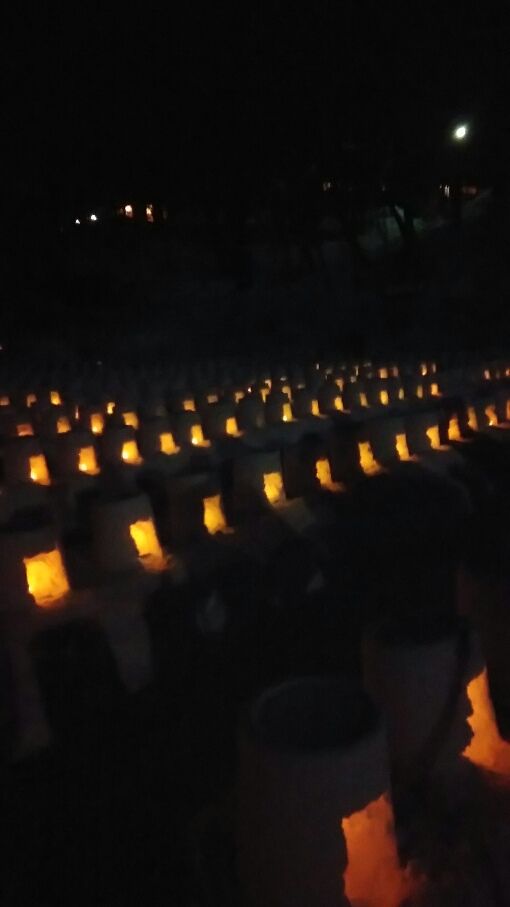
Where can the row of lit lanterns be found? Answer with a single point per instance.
(126, 211)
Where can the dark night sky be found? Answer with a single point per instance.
(101, 102)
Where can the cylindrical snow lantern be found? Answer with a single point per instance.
(258, 481)
(32, 569)
(250, 413)
(278, 408)
(315, 821)
(118, 444)
(124, 535)
(24, 461)
(155, 437)
(74, 453)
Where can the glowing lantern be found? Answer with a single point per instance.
(214, 518)
(231, 427)
(4, 401)
(315, 408)
(367, 461)
(486, 747)
(433, 436)
(131, 419)
(24, 429)
(340, 383)
(401, 395)
(264, 391)
(273, 487)
(39, 469)
(454, 430)
(110, 407)
(130, 453)
(384, 398)
(490, 412)
(394, 371)
(197, 435)
(55, 398)
(383, 373)
(128, 211)
(87, 461)
(373, 875)
(46, 577)
(434, 390)
(286, 390)
(401, 447)
(287, 412)
(472, 420)
(419, 391)
(212, 398)
(238, 395)
(63, 425)
(189, 405)
(423, 369)
(167, 443)
(339, 404)
(147, 544)
(97, 423)
(323, 475)
(363, 399)
(31, 399)
(149, 214)
(487, 374)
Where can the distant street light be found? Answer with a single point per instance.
(460, 132)
(93, 217)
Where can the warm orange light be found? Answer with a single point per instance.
(373, 875)
(147, 544)
(490, 412)
(363, 399)
(286, 390)
(87, 461)
(238, 395)
(110, 407)
(167, 443)
(367, 461)
(63, 425)
(189, 405)
(149, 213)
(31, 399)
(39, 469)
(4, 401)
(419, 391)
(24, 429)
(231, 427)
(394, 371)
(214, 518)
(508, 410)
(339, 404)
(423, 368)
(273, 487)
(315, 408)
(323, 475)
(212, 398)
(55, 398)
(287, 412)
(97, 423)
(130, 452)
(46, 577)
(197, 435)
(434, 390)
(487, 374)
(264, 392)
(383, 373)
(131, 419)
(472, 419)
(384, 398)
(454, 429)
(402, 448)
(486, 748)
(340, 383)
(401, 395)
(433, 436)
